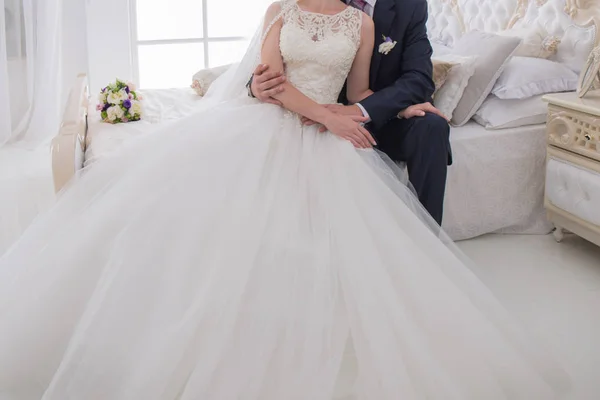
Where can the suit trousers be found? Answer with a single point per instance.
(423, 143)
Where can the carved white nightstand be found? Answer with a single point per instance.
(573, 166)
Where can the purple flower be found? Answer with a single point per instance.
(127, 104)
(124, 119)
(106, 106)
(99, 107)
(103, 90)
(388, 39)
(127, 89)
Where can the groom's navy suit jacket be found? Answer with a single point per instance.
(400, 79)
(403, 77)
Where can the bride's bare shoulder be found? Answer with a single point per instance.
(367, 22)
(274, 11)
(277, 7)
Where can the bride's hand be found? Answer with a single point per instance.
(350, 127)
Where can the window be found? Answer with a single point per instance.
(173, 39)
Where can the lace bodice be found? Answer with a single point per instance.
(318, 50)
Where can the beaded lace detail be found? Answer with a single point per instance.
(318, 50)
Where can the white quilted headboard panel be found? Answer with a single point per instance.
(444, 24)
(450, 19)
(487, 15)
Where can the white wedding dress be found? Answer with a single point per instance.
(238, 255)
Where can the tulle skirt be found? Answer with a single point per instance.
(26, 190)
(238, 255)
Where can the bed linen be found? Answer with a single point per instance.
(161, 106)
(496, 183)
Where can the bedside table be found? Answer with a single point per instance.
(572, 197)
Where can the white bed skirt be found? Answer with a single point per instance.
(497, 182)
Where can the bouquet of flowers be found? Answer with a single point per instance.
(118, 102)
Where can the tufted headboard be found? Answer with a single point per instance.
(575, 22)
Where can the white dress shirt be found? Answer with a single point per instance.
(369, 9)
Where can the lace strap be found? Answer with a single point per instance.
(285, 7)
(359, 16)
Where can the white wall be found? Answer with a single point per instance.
(109, 42)
(96, 41)
(74, 43)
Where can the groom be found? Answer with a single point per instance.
(405, 124)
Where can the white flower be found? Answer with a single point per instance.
(386, 47)
(102, 97)
(123, 95)
(114, 98)
(132, 86)
(136, 108)
(114, 113)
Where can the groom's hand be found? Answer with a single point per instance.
(351, 111)
(266, 84)
(419, 110)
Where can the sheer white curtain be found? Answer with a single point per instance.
(30, 109)
(30, 71)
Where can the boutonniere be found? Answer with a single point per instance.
(387, 45)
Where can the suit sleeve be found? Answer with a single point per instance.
(415, 84)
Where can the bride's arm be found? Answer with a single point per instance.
(290, 98)
(346, 127)
(358, 79)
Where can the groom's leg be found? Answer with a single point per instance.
(424, 144)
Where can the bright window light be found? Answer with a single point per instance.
(169, 65)
(235, 18)
(173, 39)
(172, 19)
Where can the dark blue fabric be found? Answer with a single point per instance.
(400, 79)
(423, 144)
(404, 76)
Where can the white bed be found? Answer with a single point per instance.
(161, 106)
(497, 181)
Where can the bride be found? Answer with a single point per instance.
(241, 255)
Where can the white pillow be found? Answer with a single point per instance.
(493, 52)
(202, 79)
(440, 49)
(497, 113)
(537, 42)
(448, 96)
(525, 77)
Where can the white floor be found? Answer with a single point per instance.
(554, 288)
